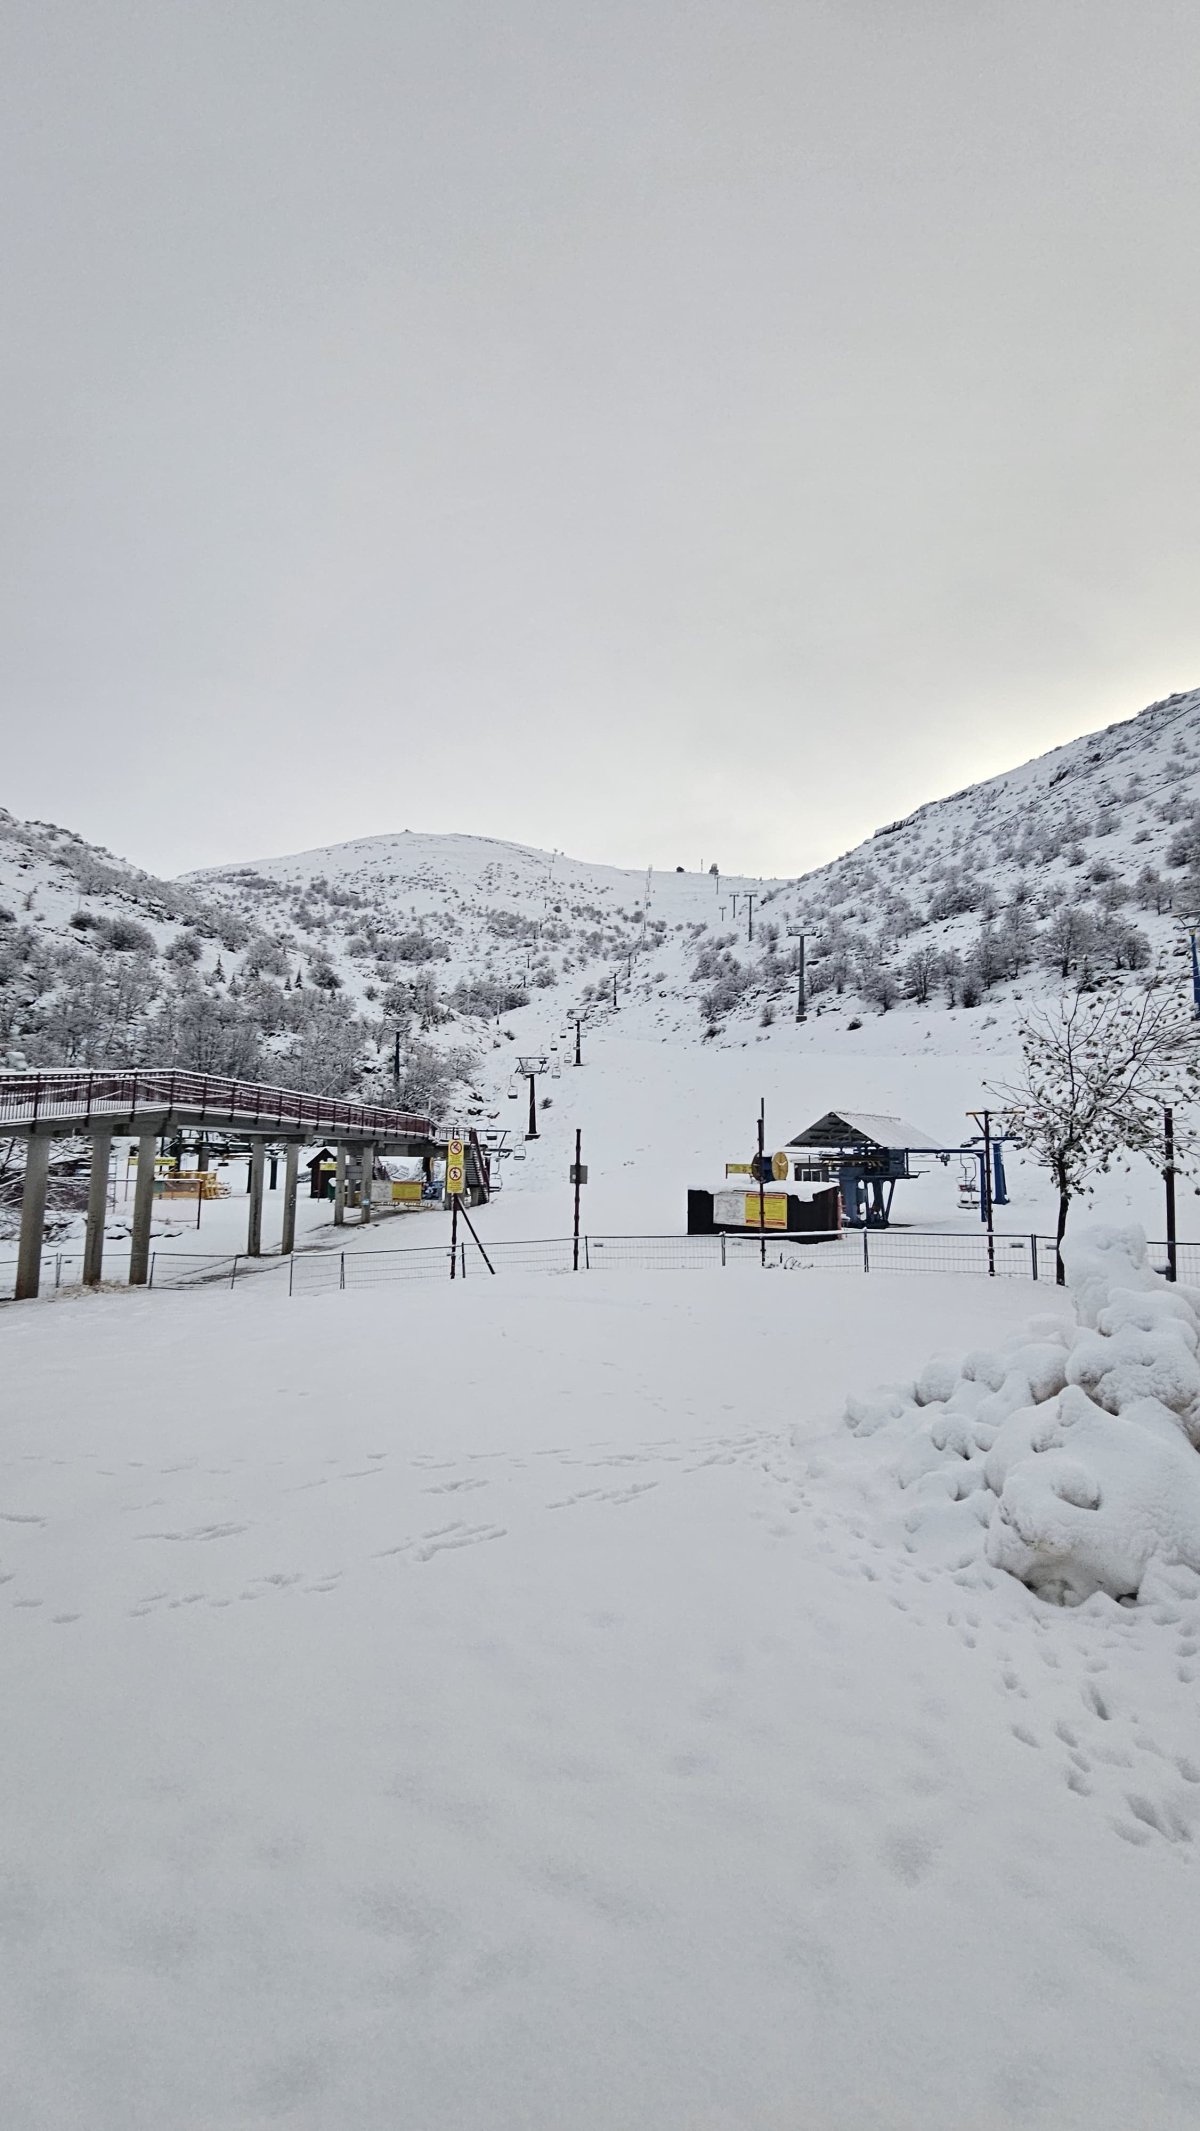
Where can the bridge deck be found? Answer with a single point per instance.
(64, 1101)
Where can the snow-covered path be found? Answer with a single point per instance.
(468, 1713)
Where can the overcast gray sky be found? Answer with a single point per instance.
(662, 431)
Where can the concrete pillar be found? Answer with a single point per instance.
(339, 1187)
(366, 1173)
(97, 1206)
(254, 1225)
(143, 1208)
(33, 1217)
(291, 1177)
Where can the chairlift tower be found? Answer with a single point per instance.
(530, 1065)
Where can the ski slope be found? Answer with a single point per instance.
(493, 1713)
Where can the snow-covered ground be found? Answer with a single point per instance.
(481, 1713)
(657, 1117)
(527, 1704)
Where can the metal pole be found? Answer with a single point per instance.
(454, 1237)
(532, 1133)
(578, 1054)
(614, 991)
(578, 1160)
(762, 1188)
(1195, 978)
(801, 993)
(987, 1193)
(1169, 1180)
(478, 1245)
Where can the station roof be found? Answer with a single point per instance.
(864, 1128)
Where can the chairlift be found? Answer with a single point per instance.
(513, 1091)
(968, 1185)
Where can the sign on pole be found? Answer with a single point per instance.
(456, 1169)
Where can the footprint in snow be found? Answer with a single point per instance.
(457, 1535)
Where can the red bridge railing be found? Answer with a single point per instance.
(76, 1097)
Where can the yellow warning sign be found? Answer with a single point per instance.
(456, 1169)
(774, 1209)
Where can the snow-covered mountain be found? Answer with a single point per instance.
(309, 967)
(1069, 866)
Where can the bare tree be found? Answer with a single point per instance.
(1099, 1069)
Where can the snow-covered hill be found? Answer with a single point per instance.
(1069, 866)
(311, 967)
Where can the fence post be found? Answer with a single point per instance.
(58, 1269)
(866, 1253)
(587, 1263)
(150, 1274)
(233, 1270)
(1033, 1255)
(722, 1246)
(342, 1271)
(291, 1271)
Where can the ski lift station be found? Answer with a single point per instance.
(867, 1154)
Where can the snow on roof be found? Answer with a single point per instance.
(843, 1127)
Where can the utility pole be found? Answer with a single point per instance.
(987, 1193)
(751, 897)
(762, 1184)
(1169, 1181)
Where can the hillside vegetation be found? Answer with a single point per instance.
(329, 968)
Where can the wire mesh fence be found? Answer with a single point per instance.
(849, 1251)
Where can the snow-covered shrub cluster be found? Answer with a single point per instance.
(1068, 1455)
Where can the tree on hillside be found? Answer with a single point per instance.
(1098, 1071)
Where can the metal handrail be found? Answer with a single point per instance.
(76, 1094)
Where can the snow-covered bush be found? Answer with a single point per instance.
(1068, 1455)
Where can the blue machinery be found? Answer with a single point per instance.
(867, 1177)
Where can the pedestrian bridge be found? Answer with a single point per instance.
(63, 1103)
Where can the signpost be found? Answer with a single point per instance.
(456, 1174)
(578, 1178)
